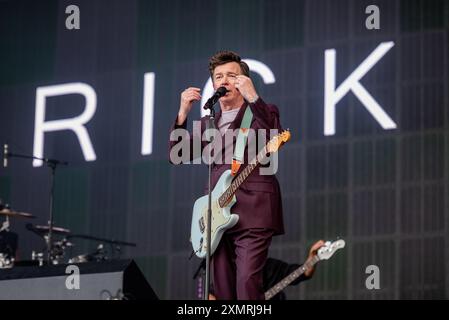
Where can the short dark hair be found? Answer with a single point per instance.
(223, 57)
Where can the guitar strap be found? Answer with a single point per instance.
(242, 138)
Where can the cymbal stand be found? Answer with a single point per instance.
(52, 164)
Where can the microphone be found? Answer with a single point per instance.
(217, 95)
(5, 155)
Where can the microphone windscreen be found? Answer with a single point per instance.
(222, 91)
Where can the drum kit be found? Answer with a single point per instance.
(61, 242)
(57, 239)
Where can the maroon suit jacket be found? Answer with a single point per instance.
(259, 203)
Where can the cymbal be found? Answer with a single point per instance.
(10, 213)
(87, 237)
(55, 230)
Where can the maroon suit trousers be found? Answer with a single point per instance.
(238, 264)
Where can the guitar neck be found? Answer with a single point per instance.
(281, 285)
(230, 191)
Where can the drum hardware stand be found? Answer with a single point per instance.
(5, 262)
(39, 257)
(5, 225)
(52, 164)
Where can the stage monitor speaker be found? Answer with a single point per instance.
(108, 280)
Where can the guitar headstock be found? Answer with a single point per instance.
(279, 139)
(329, 248)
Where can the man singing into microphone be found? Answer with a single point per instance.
(237, 263)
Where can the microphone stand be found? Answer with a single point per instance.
(210, 125)
(52, 164)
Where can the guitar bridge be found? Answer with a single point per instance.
(201, 224)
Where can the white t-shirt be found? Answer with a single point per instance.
(226, 119)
